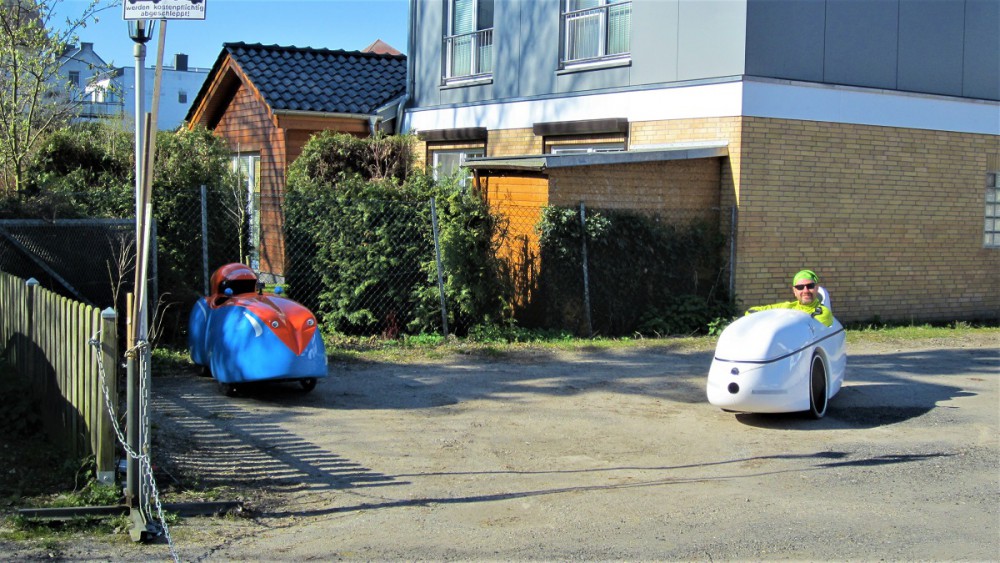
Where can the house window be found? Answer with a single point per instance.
(991, 233)
(247, 204)
(595, 30)
(74, 85)
(448, 162)
(468, 41)
(182, 97)
(587, 148)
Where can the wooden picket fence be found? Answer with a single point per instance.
(45, 337)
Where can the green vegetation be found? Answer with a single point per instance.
(895, 332)
(500, 343)
(649, 274)
(360, 253)
(360, 245)
(86, 171)
(34, 100)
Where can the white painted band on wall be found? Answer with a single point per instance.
(756, 98)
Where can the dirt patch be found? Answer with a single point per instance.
(599, 454)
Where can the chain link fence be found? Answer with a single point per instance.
(89, 260)
(386, 268)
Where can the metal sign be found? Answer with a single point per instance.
(163, 9)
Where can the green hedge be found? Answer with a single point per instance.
(646, 275)
(359, 241)
(87, 171)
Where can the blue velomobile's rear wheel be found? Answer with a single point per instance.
(818, 387)
(229, 389)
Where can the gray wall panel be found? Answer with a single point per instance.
(539, 60)
(981, 70)
(861, 43)
(466, 94)
(426, 54)
(785, 39)
(654, 23)
(930, 46)
(711, 38)
(947, 47)
(596, 79)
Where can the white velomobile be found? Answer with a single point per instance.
(778, 360)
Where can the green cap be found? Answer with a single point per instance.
(805, 275)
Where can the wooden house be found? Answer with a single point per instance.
(268, 100)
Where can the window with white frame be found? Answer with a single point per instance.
(991, 232)
(595, 30)
(447, 162)
(468, 41)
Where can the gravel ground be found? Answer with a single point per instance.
(598, 454)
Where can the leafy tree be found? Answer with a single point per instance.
(87, 170)
(84, 170)
(33, 100)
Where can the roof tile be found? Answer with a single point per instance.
(321, 80)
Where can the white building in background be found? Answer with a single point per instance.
(106, 91)
(79, 65)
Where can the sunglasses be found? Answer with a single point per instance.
(802, 286)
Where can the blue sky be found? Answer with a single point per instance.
(329, 24)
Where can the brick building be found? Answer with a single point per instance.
(857, 138)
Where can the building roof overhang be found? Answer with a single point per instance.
(543, 162)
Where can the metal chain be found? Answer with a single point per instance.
(145, 463)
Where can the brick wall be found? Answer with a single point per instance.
(891, 219)
(512, 142)
(649, 186)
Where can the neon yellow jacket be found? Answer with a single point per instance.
(825, 316)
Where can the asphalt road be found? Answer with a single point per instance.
(608, 455)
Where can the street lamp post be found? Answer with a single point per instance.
(140, 31)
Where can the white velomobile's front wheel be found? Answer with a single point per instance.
(819, 387)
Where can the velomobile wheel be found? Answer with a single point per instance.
(308, 384)
(818, 387)
(229, 389)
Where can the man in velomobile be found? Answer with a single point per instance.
(808, 299)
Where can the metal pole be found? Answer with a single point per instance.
(437, 258)
(136, 430)
(139, 49)
(204, 236)
(132, 470)
(586, 275)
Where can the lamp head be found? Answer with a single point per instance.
(141, 31)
